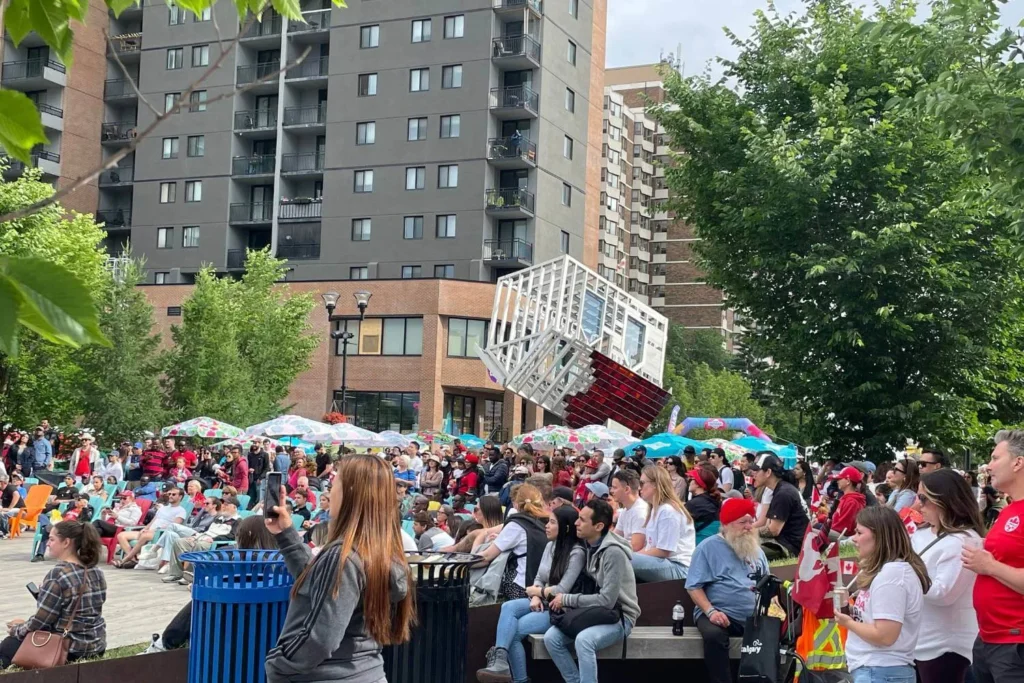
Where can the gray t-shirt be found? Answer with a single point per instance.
(717, 569)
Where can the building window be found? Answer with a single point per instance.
(451, 76)
(193, 190)
(412, 272)
(168, 192)
(367, 85)
(361, 230)
(570, 54)
(175, 15)
(448, 176)
(574, 8)
(570, 100)
(160, 278)
(203, 16)
(466, 337)
(175, 311)
(170, 99)
(420, 30)
(493, 413)
(170, 148)
(415, 177)
(379, 411)
(454, 27)
(358, 273)
(637, 151)
(382, 336)
(445, 272)
(445, 226)
(196, 145)
(418, 128)
(460, 414)
(164, 238)
(566, 194)
(175, 57)
(419, 80)
(200, 55)
(369, 36)
(366, 133)
(363, 181)
(197, 101)
(450, 125)
(190, 236)
(564, 245)
(413, 228)
(567, 147)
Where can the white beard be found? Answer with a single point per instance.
(745, 544)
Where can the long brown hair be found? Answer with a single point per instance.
(947, 490)
(368, 523)
(892, 544)
(911, 476)
(664, 492)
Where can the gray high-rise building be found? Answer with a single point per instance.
(452, 143)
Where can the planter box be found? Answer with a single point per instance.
(164, 667)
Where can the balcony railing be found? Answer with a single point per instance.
(257, 164)
(512, 148)
(115, 218)
(29, 68)
(309, 114)
(509, 250)
(255, 119)
(236, 259)
(517, 96)
(45, 154)
(51, 110)
(116, 88)
(250, 73)
(516, 46)
(510, 199)
(298, 252)
(117, 131)
(296, 210)
(117, 176)
(127, 43)
(270, 26)
(535, 5)
(312, 67)
(302, 163)
(316, 20)
(252, 212)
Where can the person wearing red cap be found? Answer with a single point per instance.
(853, 499)
(705, 502)
(720, 586)
(469, 482)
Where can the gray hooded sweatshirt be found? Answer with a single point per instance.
(324, 638)
(610, 565)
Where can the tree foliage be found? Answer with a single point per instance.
(880, 280)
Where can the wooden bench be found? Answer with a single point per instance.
(650, 642)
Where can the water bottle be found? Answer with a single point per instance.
(678, 615)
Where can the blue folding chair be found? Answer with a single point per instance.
(407, 527)
(121, 486)
(245, 514)
(111, 490)
(31, 481)
(297, 522)
(243, 501)
(213, 493)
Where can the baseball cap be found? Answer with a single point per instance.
(593, 464)
(521, 469)
(689, 450)
(851, 473)
(563, 492)
(598, 489)
(767, 461)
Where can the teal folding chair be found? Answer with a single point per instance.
(213, 493)
(121, 486)
(470, 506)
(111, 490)
(243, 501)
(297, 522)
(407, 527)
(97, 504)
(245, 514)
(31, 481)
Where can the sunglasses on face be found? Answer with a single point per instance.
(897, 469)
(925, 463)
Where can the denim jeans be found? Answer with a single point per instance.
(588, 643)
(171, 534)
(650, 569)
(515, 623)
(884, 674)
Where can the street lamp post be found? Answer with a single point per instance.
(362, 298)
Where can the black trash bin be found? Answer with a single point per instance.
(436, 652)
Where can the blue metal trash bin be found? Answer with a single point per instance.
(239, 603)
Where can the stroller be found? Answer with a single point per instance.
(768, 653)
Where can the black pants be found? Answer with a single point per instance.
(9, 647)
(998, 663)
(716, 648)
(179, 630)
(946, 668)
(104, 528)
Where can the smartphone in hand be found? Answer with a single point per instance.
(272, 494)
(33, 589)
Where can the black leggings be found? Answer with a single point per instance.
(946, 668)
(9, 647)
(105, 528)
(179, 630)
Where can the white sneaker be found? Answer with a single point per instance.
(164, 569)
(156, 646)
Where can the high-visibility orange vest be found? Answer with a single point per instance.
(822, 643)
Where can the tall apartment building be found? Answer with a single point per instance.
(643, 247)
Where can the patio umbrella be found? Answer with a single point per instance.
(665, 444)
(431, 436)
(471, 441)
(343, 432)
(555, 436)
(785, 451)
(732, 449)
(202, 428)
(607, 439)
(245, 440)
(389, 438)
(287, 425)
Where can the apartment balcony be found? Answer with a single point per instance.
(508, 253)
(256, 123)
(117, 177)
(661, 193)
(265, 33)
(515, 202)
(247, 74)
(127, 47)
(251, 213)
(300, 210)
(311, 73)
(315, 29)
(518, 7)
(33, 74)
(298, 252)
(51, 117)
(115, 219)
(117, 133)
(516, 52)
(46, 161)
(305, 164)
(512, 153)
(255, 168)
(118, 89)
(657, 279)
(516, 102)
(311, 118)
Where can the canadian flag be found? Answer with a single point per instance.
(816, 572)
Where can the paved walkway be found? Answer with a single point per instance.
(137, 605)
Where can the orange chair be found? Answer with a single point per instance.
(35, 501)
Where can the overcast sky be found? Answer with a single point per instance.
(640, 30)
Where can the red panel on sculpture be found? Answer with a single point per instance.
(617, 394)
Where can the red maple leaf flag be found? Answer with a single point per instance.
(816, 572)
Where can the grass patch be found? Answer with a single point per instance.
(114, 653)
(845, 551)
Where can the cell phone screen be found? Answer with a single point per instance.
(272, 497)
(33, 589)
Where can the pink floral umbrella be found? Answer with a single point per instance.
(555, 436)
(203, 428)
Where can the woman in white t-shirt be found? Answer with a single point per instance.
(524, 538)
(886, 617)
(948, 622)
(669, 530)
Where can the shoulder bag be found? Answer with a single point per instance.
(45, 649)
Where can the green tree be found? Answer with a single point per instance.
(687, 349)
(881, 283)
(121, 391)
(705, 392)
(240, 345)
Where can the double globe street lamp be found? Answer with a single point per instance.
(362, 298)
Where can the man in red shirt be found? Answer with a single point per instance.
(999, 588)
